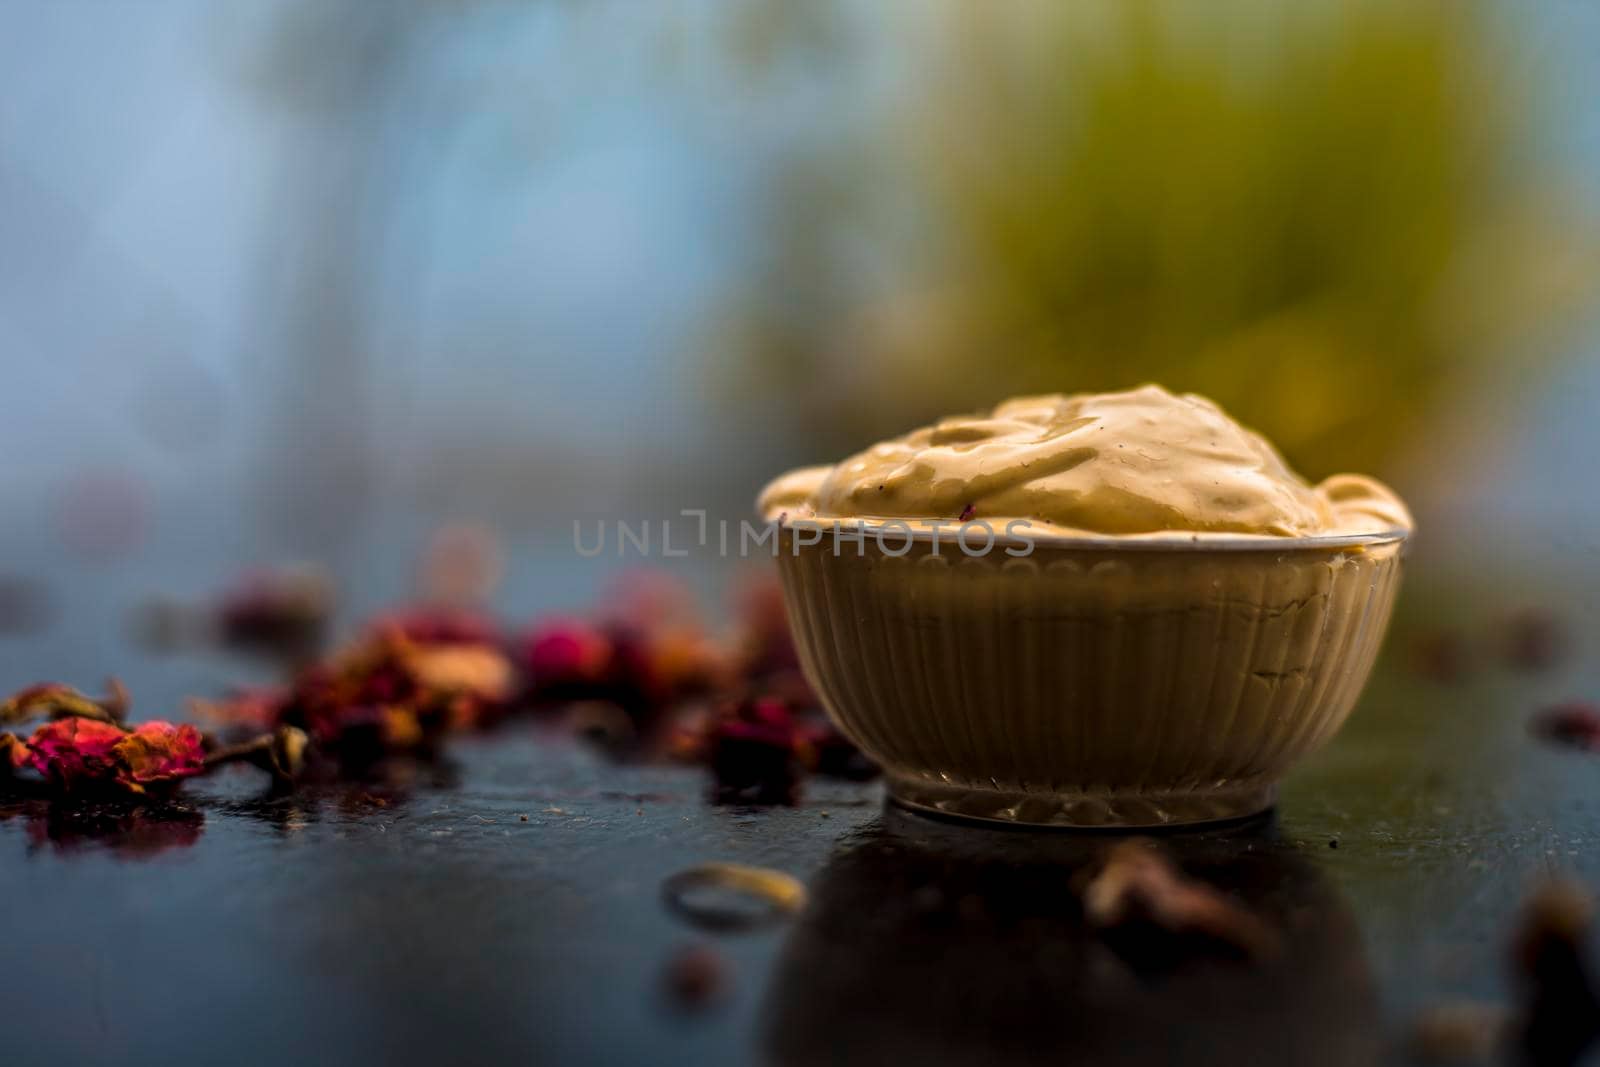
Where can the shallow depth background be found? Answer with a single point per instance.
(307, 280)
(304, 281)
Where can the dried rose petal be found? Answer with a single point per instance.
(376, 695)
(567, 652)
(757, 754)
(75, 751)
(158, 752)
(1139, 885)
(1574, 723)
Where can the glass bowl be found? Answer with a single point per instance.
(1093, 682)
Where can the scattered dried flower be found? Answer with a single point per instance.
(695, 977)
(387, 693)
(1138, 885)
(567, 655)
(77, 753)
(1574, 723)
(74, 751)
(156, 753)
(757, 753)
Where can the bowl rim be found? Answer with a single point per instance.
(1165, 541)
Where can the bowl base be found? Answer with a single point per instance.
(1083, 811)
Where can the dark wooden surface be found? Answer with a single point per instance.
(417, 918)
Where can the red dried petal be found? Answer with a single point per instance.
(757, 753)
(1575, 723)
(567, 651)
(159, 752)
(75, 751)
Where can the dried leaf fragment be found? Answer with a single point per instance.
(54, 700)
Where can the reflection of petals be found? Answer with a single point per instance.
(128, 833)
(1138, 884)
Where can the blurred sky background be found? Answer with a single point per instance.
(302, 279)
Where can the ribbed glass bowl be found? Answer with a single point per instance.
(1096, 682)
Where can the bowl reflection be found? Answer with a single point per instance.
(929, 943)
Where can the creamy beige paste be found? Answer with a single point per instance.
(1141, 462)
